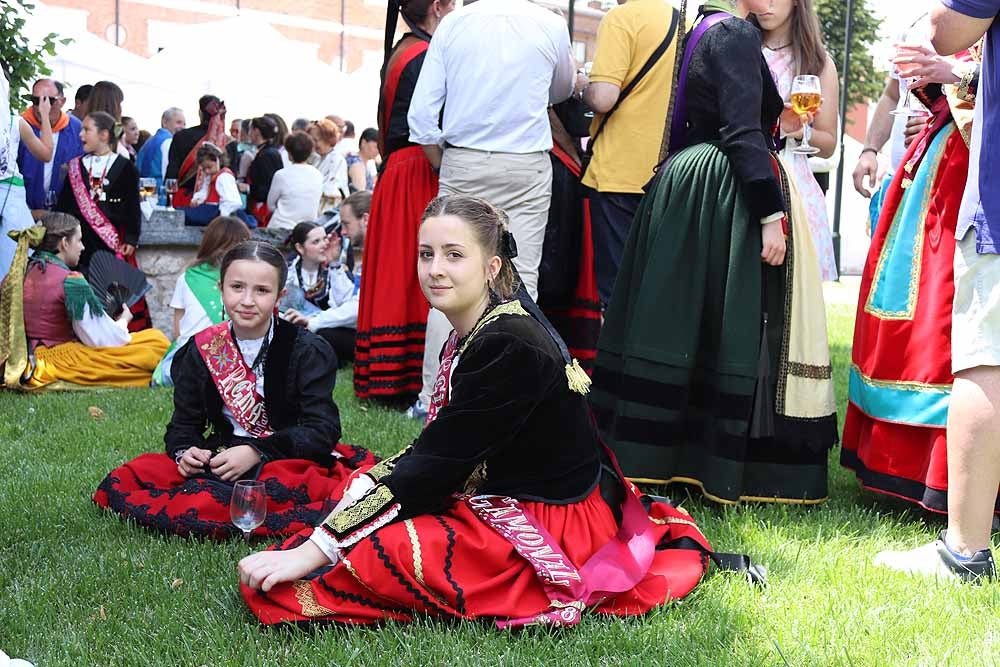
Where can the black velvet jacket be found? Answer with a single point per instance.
(512, 427)
(121, 205)
(397, 134)
(732, 99)
(181, 146)
(265, 165)
(299, 375)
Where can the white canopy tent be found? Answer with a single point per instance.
(272, 73)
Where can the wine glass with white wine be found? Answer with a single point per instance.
(147, 187)
(807, 96)
(248, 506)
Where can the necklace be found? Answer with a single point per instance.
(490, 306)
(777, 48)
(261, 357)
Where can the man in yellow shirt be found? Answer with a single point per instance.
(628, 147)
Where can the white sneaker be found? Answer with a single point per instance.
(923, 561)
(417, 411)
(7, 661)
(935, 560)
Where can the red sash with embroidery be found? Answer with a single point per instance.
(616, 567)
(442, 383)
(236, 383)
(89, 209)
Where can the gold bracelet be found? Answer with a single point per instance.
(962, 90)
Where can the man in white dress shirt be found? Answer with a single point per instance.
(493, 67)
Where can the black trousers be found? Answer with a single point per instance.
(341, 340)
(611, 216)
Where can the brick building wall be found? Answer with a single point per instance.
(352, 29)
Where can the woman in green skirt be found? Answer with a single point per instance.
(713, 367)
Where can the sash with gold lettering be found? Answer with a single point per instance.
(91, 213)
(235, 381)
(616, 567)
(555, 571)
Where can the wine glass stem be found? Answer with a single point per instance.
(246, 535)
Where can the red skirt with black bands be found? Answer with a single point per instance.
(300, 494)
(454, 565)
(392, 314)
(579, 320)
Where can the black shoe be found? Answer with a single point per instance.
(980, 566)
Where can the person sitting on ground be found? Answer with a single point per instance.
(509, 419)
(325, 292)
(197, 300)
(296, 189)
(357, 163)
(262, 389)
(71, 340)
(332, 165)
(219, 194)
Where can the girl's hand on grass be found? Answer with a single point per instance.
(193, 461)
(265, 569)
(232, 463)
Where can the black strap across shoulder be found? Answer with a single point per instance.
(653, 59)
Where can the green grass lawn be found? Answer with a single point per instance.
(78, 587)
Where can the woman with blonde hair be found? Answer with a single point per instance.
(332, 165)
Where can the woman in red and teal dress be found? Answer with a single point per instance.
(392, 314)
(900, 379)
(506, 507)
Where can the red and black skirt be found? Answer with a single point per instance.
(453, 565)
(300, 494)
(567, 282)
(392, 315)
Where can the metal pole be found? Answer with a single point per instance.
(571, 20)
(343, 34)
(118, 27)
(844, 90)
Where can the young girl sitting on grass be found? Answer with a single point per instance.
(262, 389)
(65, 339)
(197, 300)
(507, 506)
(322, 294)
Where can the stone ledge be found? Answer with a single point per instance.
(166, 248)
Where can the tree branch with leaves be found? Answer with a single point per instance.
(23, 61)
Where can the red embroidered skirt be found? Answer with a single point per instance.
(301, 493)
(392, 314)
(454, 565)
(894, 436)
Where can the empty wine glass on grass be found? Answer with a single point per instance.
(248, 507)
(806, 98)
